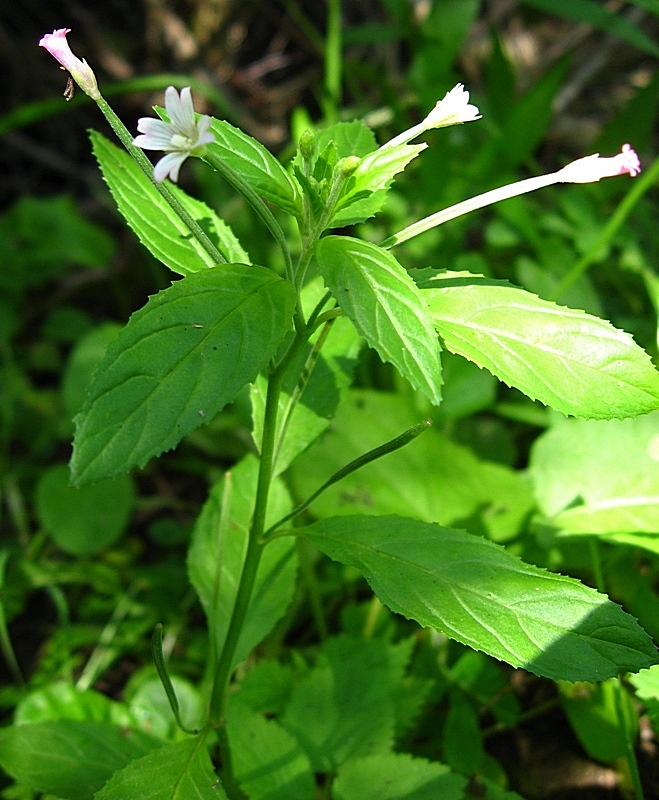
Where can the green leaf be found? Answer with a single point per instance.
(268, 762)
(569, 360)
(68, 758)
(592, 712)
(181, 771)
(372, 177)
(217, 553)
(256, 165)
(433, 478)
(307, 403)
(87, 519)
(344, 707)
(61, 700)
(157, 226)
(177, 362)
(352, 138)
(594, 13)
(479, 594)
(397, 776)
(379, 297)
(599, 477)
(462, 739)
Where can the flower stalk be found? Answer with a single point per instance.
(584, 170)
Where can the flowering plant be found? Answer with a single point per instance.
(289, 334)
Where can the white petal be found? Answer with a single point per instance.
(169, 165)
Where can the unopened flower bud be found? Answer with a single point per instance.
(347, 167)
(307, 145)
(80, 71)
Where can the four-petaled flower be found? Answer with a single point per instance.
(592, 168)
(453, 109)
(181, 137)
(80, 71)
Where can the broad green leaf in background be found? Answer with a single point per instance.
(344, 707)
(85, 519)
(599, 477)
(481, 595)
(462, 738)
(181, 771)
(217, 553)
(69, 758)
(86, 355)
(150, 704)
(43, 237)
(267, 761)
(382, 301)
(397, 776)
(646, 684)
(432, 478)
(256, 165)
(157, 226)
(576, 363)
(61, 700)
(593, 715)
(177, 362)
(307, 404)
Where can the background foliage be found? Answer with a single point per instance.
(85, 574)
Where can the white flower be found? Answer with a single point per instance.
(80, 71)
(181, 137)
(453, 109)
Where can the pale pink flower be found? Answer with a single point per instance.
(592, 168)
(80, 71)
(181, 137)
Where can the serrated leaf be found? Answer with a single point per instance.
(377, 294)
(481, 595)
(368, 185)
(576, 363)
(268, 762)
(217, 555)
(397, 776)
(344, 707)
(256, 165)
(177, 362)
(157, 226)
(599, 477)
(180, 771)
(68, 758)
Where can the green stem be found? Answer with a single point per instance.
(629, 740)
(256, 202)
(378, 452)
(333, 60)
(165, 191)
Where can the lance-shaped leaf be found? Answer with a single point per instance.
(256, 165)
(574, 362)
(157, 226)
(476, 592)
(377, 294)
(177, 362)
